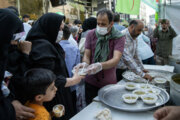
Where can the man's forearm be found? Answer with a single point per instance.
(109, 64)
(85, 59)
(112, 62)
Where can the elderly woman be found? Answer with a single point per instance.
(46, 53)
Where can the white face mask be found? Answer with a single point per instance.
(146, 32)
(102, 30)
(59, 37)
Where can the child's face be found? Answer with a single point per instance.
(50, 92)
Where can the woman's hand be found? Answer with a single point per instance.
(22, 112)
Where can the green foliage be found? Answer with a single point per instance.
(31, 7)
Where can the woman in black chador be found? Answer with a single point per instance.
(9, 25)
(46, 53)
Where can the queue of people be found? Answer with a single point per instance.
(40, 66)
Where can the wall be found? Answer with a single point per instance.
(6, 3)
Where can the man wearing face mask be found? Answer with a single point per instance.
(103, 49)
(130, 58)
(164, 44)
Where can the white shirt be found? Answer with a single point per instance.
(144, 50)
(27, 27)
(72, 41)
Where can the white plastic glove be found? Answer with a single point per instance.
(94, 68)
(81, 67)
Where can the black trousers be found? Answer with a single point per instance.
(90, 92)
(119, 73)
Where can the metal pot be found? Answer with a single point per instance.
(175, 89)
(175, 61)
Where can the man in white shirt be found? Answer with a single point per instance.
(144, 51)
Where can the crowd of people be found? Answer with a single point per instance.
(40, 63)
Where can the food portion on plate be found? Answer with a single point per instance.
(139, 92)
(153, 91)
(160, 80)
(130, 86)
(130, 98)
(131, 76)
(149, 98)
(80, 72)
(145, 86)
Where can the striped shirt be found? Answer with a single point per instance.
(130, 57)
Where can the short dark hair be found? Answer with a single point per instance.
(26, 16)
(107, 12)
(133, 22)
(36, 81)
(66, 32)
(163, 21)
(77, 22)
(116, 17)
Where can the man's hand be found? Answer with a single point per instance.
(22, 112)
(145, 71)
(168, 113)
(148, 77)
(80, 65)
(94, 68)
(25, 46)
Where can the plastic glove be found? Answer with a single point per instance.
(81, 65)
(94, 68)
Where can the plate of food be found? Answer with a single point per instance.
(149, 99)
(160, 80)
(130, 86)
(139, 92)
(80, 72)
(130, 98)
(156, 74)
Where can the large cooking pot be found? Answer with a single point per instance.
(175, 89)
(174, 60)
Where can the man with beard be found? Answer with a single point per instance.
(103, 49)
(165, 35)
(130, 58)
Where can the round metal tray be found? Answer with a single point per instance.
(111, 95)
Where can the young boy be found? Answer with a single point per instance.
(39, 88)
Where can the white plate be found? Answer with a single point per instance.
(130, 98)
(139, 92)
(149, 98)
(130, 86)
(160, 80)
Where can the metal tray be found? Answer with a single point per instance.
(111, 95)
(164, 74)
